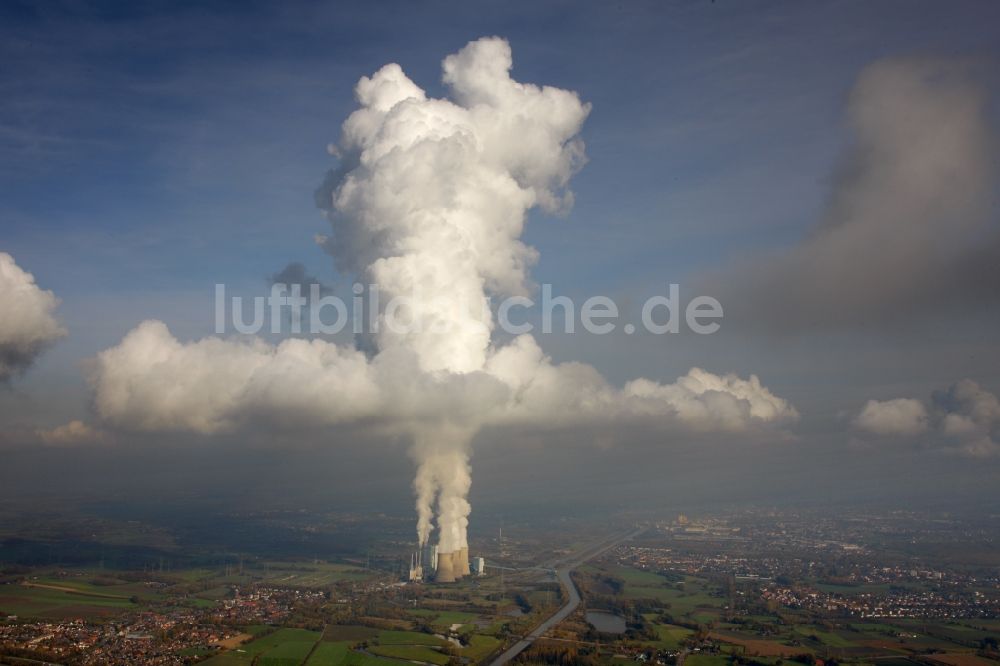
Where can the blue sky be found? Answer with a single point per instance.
(151, 150)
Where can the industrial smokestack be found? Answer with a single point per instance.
(445, 568)
(462, 563)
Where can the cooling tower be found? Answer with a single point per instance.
(462, 562)
(446, 568)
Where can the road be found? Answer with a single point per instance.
(563, 574)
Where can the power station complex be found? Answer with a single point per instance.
(429, 564)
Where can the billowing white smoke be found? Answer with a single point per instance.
(434, 210)
(443, 471)
(27, 324)
(431, 211)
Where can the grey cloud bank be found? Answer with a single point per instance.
(911, 227)
(964, 418)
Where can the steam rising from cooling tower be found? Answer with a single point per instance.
(432, 212)
(428, 204)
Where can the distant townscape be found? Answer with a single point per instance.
(754, 586)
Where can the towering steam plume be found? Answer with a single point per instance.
(442, 456)
(433, 213)
(429, 206)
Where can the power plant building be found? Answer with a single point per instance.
(430, 563)
(416, 569)
(429, 557)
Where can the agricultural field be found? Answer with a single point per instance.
(671, 636)
(707, 660)
(960, 660)
(444, 618)
(827, 638)
(58, 600)
(693, 602)
(340, 655)
(858, 640)
(689, 598)
(349, 645)
(479, 647)
(412, 646)
(283, 647)
(89, 593)
(319, 574)
(411, 653)
(348, 633)
(328, 654)
(409, 638)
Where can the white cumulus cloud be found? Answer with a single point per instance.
(901, 416)
(152, 381)
(964, 418)
(27, 321)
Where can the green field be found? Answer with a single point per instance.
(265, 643)
(118, 589)
(288, 653)
(690, 598)
(312, 575)
(479, 646)
(410, 645)
(412, 652)
(707, 660)
(284, 647)
(360, 659)
(637, 577)
(193, 575)
(328, 654)
(671, 636)
(875, 628)
(825, 637)
(231, 658)
(409, 638)
(351, 633)
(215, 593)
(339, 654)
(866, 640)
(46, 602)
(444, 618)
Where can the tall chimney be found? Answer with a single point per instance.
(445, 568)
